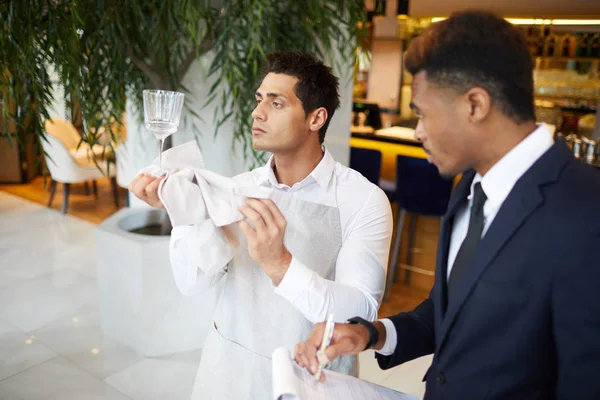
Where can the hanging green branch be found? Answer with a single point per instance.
(106, 51)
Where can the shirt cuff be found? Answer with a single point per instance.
(391, 338)
(295, 282)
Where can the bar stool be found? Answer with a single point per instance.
(367, 162)
(420, 190)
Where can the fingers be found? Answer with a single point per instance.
(253, 216)
(152, 192)
(265, 216)
(263, 211)
(306, 352)
(274, 213)
(145, 187)
(138, 186)
(322, 377)
(134, 182)
(305, 356)
(247, 230)
(347, 339)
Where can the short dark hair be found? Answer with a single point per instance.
(316, 87)
(478, 49)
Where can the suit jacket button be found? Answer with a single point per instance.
(441, 379)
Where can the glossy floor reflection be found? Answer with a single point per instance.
(51, 343)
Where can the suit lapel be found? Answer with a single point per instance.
(459, 196)
(525, 197)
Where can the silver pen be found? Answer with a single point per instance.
(327, 336)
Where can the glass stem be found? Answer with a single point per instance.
(162, 141)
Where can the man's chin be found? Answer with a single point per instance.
(444, 172)
(450, 173)
(259, 146)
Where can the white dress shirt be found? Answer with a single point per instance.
(497, 185)
(366, 221)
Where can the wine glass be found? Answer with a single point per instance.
(162, 112)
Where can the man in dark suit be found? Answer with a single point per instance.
(515, 309)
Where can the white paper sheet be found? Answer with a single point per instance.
(290, 382)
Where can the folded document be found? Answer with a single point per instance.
(290, 382)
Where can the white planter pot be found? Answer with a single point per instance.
(139, 303)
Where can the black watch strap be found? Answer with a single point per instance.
(373, 334)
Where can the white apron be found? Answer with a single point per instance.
(251, 320)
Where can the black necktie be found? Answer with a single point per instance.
(468, 246)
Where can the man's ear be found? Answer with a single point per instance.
(317, 119)
(479, 103)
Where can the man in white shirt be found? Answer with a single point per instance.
(320, 246)
(515, 309)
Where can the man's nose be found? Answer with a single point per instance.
(258, 112)
(419, 131)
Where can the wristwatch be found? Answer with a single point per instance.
(373, 334)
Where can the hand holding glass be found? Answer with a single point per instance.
(162, 112)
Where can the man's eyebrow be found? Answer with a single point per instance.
(259, 94)
(413, 106)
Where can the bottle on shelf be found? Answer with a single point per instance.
(594, 46)
(552, 43)
(533, 35)
(541, 41)
(582, 45)
(568, 45)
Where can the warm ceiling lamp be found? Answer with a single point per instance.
(538, 21)
(402, 10)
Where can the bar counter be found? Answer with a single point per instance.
(391, 142)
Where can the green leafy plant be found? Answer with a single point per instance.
(107, 50)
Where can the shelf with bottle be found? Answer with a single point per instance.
(566, 59)
(543, 94)
(574, 95)
(583, 109)
(567, 115)
(544, 42)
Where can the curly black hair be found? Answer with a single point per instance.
(478, 49)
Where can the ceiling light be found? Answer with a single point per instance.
(539, 21)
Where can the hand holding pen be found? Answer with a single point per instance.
(327, 335)
(345, 339)
(311, 354)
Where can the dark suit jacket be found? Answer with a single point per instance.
(524, 321)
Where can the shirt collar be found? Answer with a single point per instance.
(322, 173)
(500, 179)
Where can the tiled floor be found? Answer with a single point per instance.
(51, 343)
